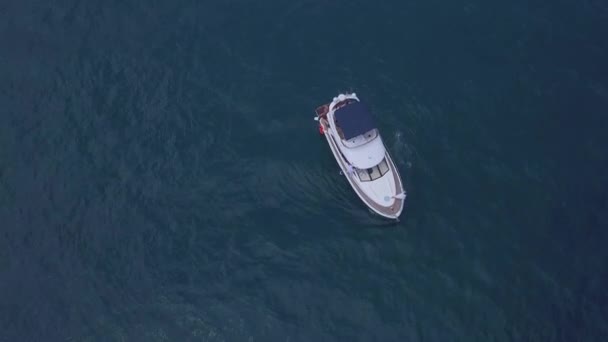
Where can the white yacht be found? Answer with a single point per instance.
(354, 139)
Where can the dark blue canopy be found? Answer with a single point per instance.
(354, 119)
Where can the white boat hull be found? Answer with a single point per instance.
(385, 195)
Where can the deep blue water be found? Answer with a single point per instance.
(162, 179)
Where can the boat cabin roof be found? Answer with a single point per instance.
(354, 119)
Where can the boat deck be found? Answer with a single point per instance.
(324, 109)
(322, 113)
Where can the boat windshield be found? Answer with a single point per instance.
(373, 173)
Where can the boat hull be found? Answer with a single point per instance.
(391, 208)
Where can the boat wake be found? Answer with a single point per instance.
(403, 151)
(303, 191)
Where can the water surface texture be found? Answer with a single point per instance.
(162, 178)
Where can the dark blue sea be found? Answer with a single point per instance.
(162, 178)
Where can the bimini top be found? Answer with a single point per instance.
(354, 119)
